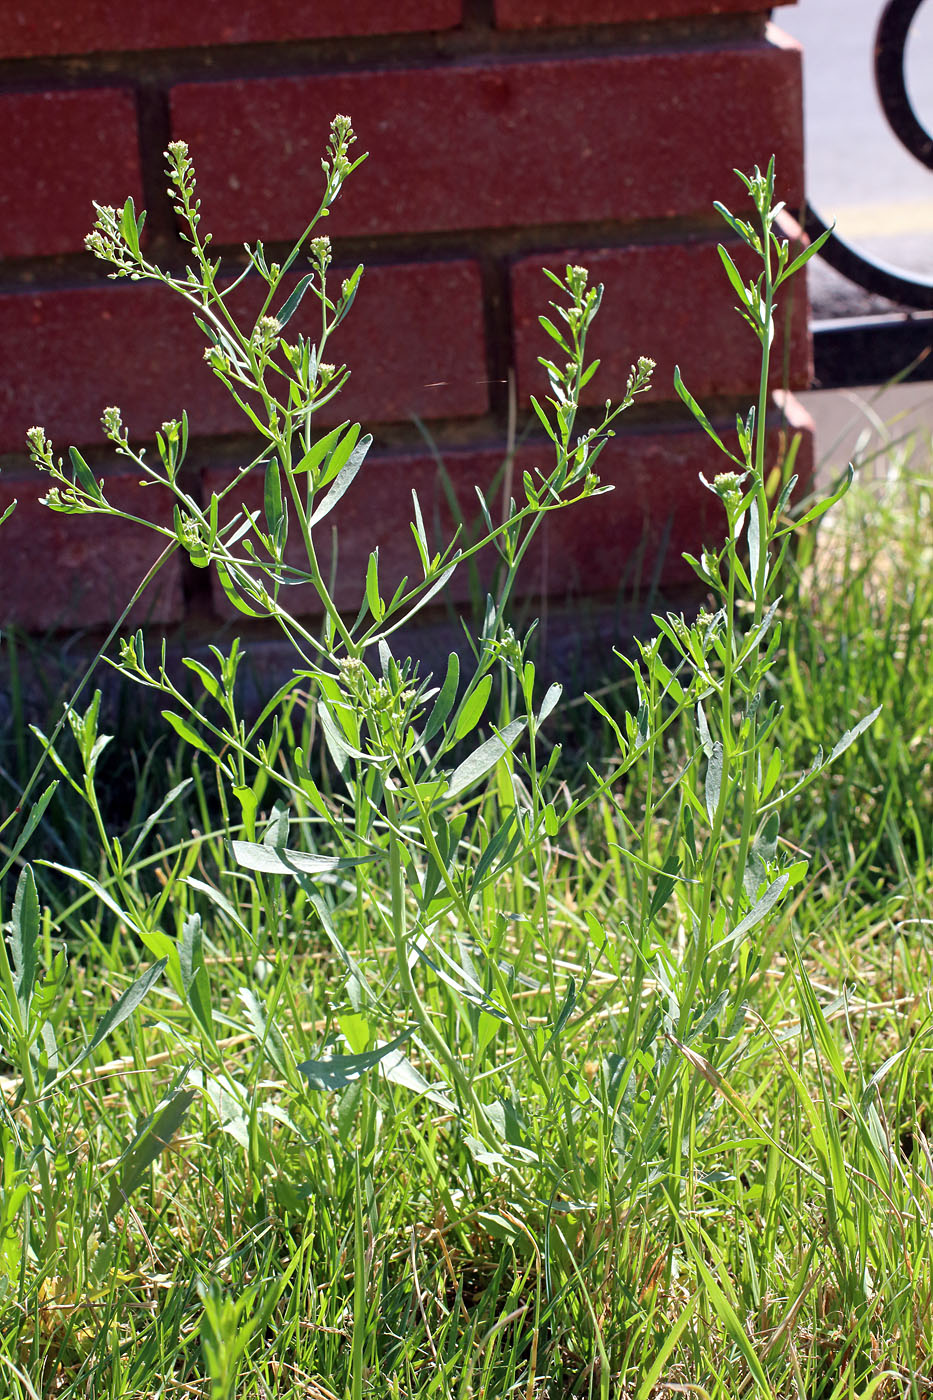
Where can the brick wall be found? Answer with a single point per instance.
(505, 135)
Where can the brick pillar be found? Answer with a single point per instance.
(504, 136)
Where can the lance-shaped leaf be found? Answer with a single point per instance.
(24, 935)
(279, 860)
(154, 1135)
(32, 821)
(291, 305)
(338, 1071)
(755, 915)
(445, 699)
(713, 779)
(122, 1009)
(850, 736)
(485, 757)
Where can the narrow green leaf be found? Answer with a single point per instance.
(188, 733)
(439, 583)
(822, 506)
(344, 479)
(273, 504)
(217, 898)
(24, 935)
(279, 860)
(755, 915)
(754, 551)
(149, 1142)
(485, 757)
(344, 454)
(850, 736)
(554, 333)
(376, 605)
(249, 805)
(122, 1008)
(697, 412)
(191, 959)
(154, 939)
(264, 1030)
(713, 778)
(421, 538)
(32, 821)
(464, 984)
(348, 293)
(338, 744)
(552, 695)
(128, 226)
(209, 681)
(732, 272)
(666, 882)
(292, 303)
(338, 1071)
(84, 477)
(545, 421)
(806, 255)
(445, 699)
(739, 226)
(153, 817)
(489, 855)
(398, 1069)
(315, 455)
(588, 373)
(233, 595)
(471, 709)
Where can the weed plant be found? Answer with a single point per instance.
(422, 1073)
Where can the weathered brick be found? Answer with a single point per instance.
(62, 150)
(499, 143)
(414, 340)
(534, 14)
(29, 28)
(669, 301)
(62, 571)
(607, 545)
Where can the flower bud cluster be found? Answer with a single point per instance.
(107, 243)
(336, 164)
(320, 252)
(640, 376)
(385, 704)
(266, 334)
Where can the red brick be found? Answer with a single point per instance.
(659, 508)
(62, 150)
(29, 28)
(534, 14)
(630, 136)
(604, 545)
(671, 302)
(63, 571)
(414, 340)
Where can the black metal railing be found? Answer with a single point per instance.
(873, 349)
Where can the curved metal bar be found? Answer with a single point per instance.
(876, 277)
(891, 83)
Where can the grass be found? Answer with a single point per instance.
(750, 1227)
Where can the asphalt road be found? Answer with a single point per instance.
(858, 173)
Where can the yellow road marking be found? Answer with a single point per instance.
(883, 220)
